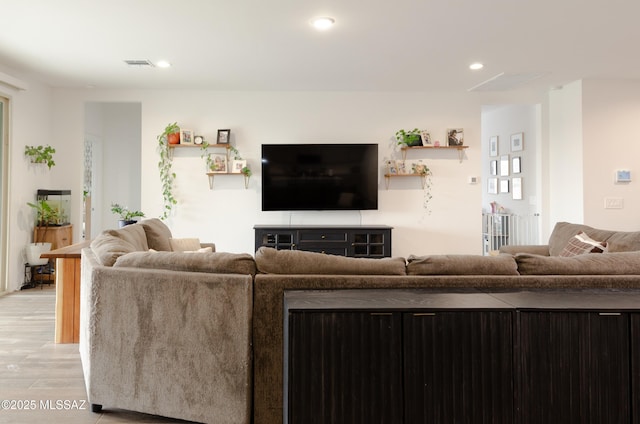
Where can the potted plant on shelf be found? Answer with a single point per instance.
(46, 216)
(172, 132)
(126, 215)
(409, 138)
(167, 176)
(40, 154)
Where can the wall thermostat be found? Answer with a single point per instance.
(623, 176)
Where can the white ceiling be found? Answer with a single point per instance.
(395, 45)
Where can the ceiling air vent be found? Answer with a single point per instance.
(139, 63)
(505, 82)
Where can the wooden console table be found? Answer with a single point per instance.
(67, 291)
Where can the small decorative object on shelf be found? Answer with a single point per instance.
(198, 139)
(222, 163)
(224, 136)
(186, 137)
(455, 137)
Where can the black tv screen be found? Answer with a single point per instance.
(319, 177)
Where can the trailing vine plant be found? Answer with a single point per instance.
(424, 171)
(167, 176)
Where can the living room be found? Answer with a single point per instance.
(583, 137)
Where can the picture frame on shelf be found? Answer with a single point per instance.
(493, 167)
(516, 165)
(392, 167)
(455, 137)
(517, 142)
(198, 139)
(419, 168)
(504, 165)
(402, 167)
(516, 188)
(504, 186)
(237, 165)
(223, 136)
(493, 146)
(492, 185)
(219, 163)
(426, 138)
(186, 136)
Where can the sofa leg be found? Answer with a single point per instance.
(96, 407)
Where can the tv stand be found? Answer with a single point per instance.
(358, 241)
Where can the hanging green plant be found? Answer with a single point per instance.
(40, 154)
(167, 176)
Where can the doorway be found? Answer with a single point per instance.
(113, 143)
(4, 195)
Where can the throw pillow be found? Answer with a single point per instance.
(581, 244)
(184, 244)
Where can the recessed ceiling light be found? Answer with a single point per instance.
(323, 23)
(476, 66)
(163, 64)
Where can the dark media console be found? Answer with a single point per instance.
(373, 241)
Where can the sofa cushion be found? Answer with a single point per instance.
(622, 241)
(184, 244)
(581, 244)
(617, 241)
(216, 262)
(272, 261)
(462, 265)
(158, 234)
(111, 244)
(621, 263)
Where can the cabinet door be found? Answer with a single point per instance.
(344, 367)
(458, 367)
(278, 239)
(574, 367)
(370, 244)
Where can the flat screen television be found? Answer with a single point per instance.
(298, 177)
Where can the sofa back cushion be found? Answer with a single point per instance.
(272, 261)
(158, 234)
(462, 265)
(215, 263)
(621, 263)
(617, 241)
(111, 244)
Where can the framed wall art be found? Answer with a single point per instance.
(516, 165)
(237, 165)
(504, 186)
(492, 185)
(219, 163)
(504, 166)
(455, 137)
(223, 136)
(516, 188)
(186, 137)
(517, 141)
(493, 146)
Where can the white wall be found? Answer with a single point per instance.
(565, 148)
(226, 215)
(29, 124)
(611, 135)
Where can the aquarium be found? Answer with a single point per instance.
(59, 202)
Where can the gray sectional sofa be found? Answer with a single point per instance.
(200, 336)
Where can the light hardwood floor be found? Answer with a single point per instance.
(40, 379)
